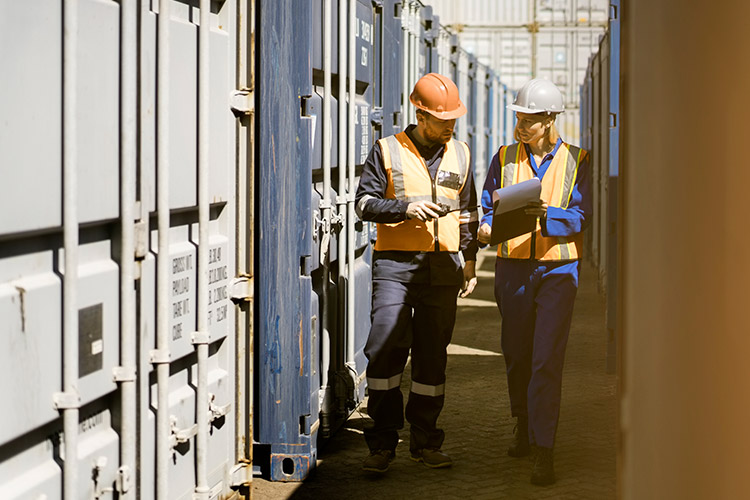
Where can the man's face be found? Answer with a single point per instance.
(434, 130)
(532, 127)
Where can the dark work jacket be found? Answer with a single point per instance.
(435, 268)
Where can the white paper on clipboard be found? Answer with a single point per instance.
(516, 195)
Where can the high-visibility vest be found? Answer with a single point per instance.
(557, 187)
(409, 180)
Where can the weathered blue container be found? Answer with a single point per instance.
(312, 322)
(283, 408)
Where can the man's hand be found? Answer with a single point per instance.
(470, 278)
(484, 233)
(538, 208)
(422, 210)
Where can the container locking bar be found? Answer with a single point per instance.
(179, 436)
(215, 411)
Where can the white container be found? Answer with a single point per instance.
(90, 108)
(498, 33)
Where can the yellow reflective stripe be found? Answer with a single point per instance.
(427, 390)
(360, 208)
(467, 217)
(563, 177)
(453, 203)
(462, 158)
(384, 384)
(575, 175)
(508, 178)
(509, 169)
(397, 169)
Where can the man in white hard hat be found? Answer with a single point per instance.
(536, 274)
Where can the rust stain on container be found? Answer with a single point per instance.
(22, 305)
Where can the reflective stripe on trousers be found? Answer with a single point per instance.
(420, 318)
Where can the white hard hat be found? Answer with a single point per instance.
(538, 96)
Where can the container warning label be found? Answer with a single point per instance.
(363, 31)
(183, 311)
(364, 122)
(181, 315)
(218, 281)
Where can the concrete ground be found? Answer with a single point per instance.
(477, 422)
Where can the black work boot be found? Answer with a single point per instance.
(543, 470)
(520, 445)
(378, 460)
(433, 458)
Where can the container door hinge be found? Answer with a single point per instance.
(141, 240)
(241, 475)
(612, 12)
(242, 102)
(241, 288)
(613, 120)
(376, 116)
(304, 424)
(122, 481)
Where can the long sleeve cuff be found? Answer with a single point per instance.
(561, 222)
(469, 243)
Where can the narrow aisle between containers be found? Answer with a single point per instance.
(477, 421)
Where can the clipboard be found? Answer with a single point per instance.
(509, 218)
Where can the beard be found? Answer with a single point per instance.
(440, 137)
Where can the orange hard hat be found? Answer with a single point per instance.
(437, 95)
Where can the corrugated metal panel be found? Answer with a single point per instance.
(82, 315)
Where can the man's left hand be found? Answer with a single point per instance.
(470, 278)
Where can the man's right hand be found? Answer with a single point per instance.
(484, 233)
(422, 210)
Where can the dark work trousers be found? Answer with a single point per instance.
(417, 316)
(535, 299)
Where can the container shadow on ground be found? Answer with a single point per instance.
(478, 425)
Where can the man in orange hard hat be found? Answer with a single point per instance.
(418, 185)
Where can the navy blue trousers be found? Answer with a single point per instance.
(408, 316)
(536, 304)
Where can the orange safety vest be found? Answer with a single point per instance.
(557, 187)
(409, 180)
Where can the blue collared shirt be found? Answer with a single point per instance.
(559, 221)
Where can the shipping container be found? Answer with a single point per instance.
(187, 293)
(544, 38)
(600, 135)
(122, 369)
